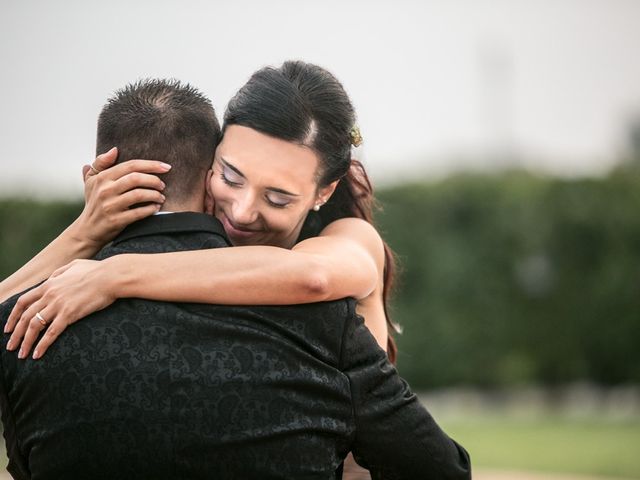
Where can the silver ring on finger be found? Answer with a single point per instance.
(94, 169)
(41, 319)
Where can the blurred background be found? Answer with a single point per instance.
(503, 138)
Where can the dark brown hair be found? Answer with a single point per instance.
(165, 120)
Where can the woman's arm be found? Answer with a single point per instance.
(341, 262)
(347, 259)
(69, 245)
(109, 196)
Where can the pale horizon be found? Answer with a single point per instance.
(439, 87)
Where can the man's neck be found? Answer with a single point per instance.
(175, 207)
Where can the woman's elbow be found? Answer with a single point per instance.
(323, 281)
(316, 286)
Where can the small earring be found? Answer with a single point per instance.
(316, 207)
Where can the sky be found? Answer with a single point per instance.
(438, 86)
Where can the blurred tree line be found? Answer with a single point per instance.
(505, 280)
(517, 279)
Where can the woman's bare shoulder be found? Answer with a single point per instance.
(371, 306)
(359, 231)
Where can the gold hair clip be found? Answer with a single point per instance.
(356, 136)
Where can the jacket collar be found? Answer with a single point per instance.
(181, 222)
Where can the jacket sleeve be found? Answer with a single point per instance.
(396, 437)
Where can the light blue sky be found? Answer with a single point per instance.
(438, 86)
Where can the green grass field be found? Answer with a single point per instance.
(609, 448)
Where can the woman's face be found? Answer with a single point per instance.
(263, 187)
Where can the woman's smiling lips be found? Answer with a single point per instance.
(236, 232)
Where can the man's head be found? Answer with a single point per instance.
(168, 121)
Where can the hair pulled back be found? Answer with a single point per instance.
(305, 104)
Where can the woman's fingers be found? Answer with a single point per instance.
(35, 325)
(104, 167)
(106, 160)
(137, 180)
(31, 326)
(72, 293)
(131, 166)
(138, 213)
(53, 332)
(24, 322)
(86, 172)
(21, 305)
(101, 219)
(137, 196)
(102, 162)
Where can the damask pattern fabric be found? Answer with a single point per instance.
(147, 389)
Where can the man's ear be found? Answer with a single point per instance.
(208, 196)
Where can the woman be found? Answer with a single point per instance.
(287, 193)
(283, 178)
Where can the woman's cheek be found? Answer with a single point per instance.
(220, 191)
(287, 222)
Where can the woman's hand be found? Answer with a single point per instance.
(117, 195)
(71, 293)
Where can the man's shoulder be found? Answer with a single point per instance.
(317, 328)
(320, 316)
(320, 326)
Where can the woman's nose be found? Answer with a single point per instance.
(244, 211)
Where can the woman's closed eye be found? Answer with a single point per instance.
(234, 179)
(230, 177)
(278, 200)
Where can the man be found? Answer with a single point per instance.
(146, 389)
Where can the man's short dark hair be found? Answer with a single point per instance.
(162, 120)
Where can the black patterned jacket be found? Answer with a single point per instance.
(158, 390)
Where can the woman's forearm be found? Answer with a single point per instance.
(69, 245)
(327, 267)
(257, 275)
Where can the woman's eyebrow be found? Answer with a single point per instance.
(273, 189)
(279, 190)
(228, 165)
